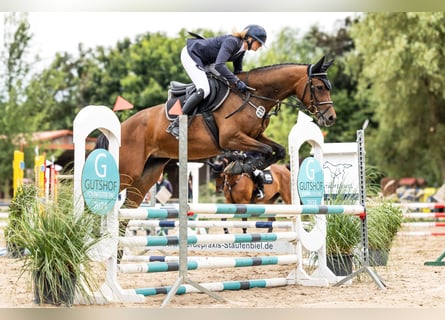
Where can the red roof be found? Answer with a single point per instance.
(60, 139)
(50, 135)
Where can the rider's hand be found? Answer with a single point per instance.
(242, 87)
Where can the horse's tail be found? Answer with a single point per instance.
(101, 142)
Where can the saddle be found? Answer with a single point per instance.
(268, 178)
(179, 92)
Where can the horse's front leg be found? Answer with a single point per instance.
(278, 152)
(261, 161)
(262, 152)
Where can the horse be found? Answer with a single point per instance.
(240, 120)
(240, 188)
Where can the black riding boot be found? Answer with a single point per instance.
(260, 185)
(189, 105)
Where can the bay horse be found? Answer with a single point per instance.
(240, 188)
(241, 120)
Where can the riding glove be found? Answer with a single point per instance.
(242, 87)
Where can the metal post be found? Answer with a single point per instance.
(364, 226)
(183, 209)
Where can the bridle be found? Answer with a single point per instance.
(313, 107)
(234, 183)
(219, 174)
(314, 102)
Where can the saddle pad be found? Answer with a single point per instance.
(219, 91)
(268, 178)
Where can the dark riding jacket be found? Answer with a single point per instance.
(218, 51)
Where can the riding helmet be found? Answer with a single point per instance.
(257, 32)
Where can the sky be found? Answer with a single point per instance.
(63, 31)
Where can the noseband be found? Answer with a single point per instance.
(314, 102)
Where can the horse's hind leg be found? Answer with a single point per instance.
(141, 185)
(226, 230)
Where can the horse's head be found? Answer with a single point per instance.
(317, 93)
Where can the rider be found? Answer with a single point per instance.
(199, 53)
(257, 174)
(259, 181)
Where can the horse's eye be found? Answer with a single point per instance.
(320, 88)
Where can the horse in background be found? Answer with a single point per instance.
(240, 188)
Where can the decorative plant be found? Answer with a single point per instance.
(384, 221)
(58, 243)
(343, 232)
(24, 198)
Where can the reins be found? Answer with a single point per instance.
(298, 103)
(242, 106)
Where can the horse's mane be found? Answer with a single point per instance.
(275, 66)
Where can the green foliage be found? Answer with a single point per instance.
(342, 234)
(397, 62)
(373, 176)
(384, 221)
(15, 128)
(58, 243)
(22, 202)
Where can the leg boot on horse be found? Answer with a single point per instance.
(189, 106)
(247, 165)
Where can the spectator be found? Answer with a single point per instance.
(164, 189)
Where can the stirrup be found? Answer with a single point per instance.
(173, 128)
(260, 194)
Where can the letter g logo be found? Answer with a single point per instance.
(103, 167)
(310, 172)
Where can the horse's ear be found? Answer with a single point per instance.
(326, 65)
(317, 67)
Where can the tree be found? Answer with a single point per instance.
(351, 113)
(15, 128)
(398, 63)
(140, 71)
